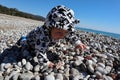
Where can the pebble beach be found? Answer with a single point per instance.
(100, 61)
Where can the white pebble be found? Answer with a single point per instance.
(37, 68)
(49, 77)
(89, 62)
(108, 69)
(101, 65)
(24, 61)
(8, 65)
(28, 66)
(91, 68)
(2, 67)
(59, 76)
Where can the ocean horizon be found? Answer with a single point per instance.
(113, 35)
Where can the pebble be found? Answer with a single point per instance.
(59, 76)
(28, 66)
(37, 77)
(91, 68)
(2, 67)
(49, 77)
(35, 59)
(24, 61)
(1, 78)
(19, 64)
(26, 76)
(89, 62)
(16, 76)
(101, 65)
(36, 68)
(8, 65)
(100, 69)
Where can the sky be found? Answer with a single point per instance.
(101, 15)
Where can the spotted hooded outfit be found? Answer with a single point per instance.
(40, 39)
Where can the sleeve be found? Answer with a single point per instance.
(73, 38)
(32, 42)
(31, 39)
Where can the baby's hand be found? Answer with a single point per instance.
(50, 64)
(59, 65)
(82, 47)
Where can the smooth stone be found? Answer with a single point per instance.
(1, 78)
(26, 76)
(14, 72)
(101, 65)
(109, 55)
(89, 62)
(109, 63)
(8, 70)
(49, 70)
(37, 77)
(64, 49)
(19, 64)
(50, 48)
(62, 67)
(35, 59)
(8, 65)
(74, 72)
(77, 77)
(77, 62)
(7, 78)
(72, 53)
(66, 70)
(61, 71)
(102, 55)
(101, 70)
(24, 61)
(70, 57)
(98, 74)
(59, 76)
(108, 69)
(94, 60)
(49, 77)
(2, 67)
(17, 67)
(45, 73)
(91, 68)
(86, 78)
(107, 77)
(28, 66)
(37, 68)
(1, 72)
(15, 77)
(80, 58)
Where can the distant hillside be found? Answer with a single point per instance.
(15, 12)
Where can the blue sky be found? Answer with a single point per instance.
(94, 14)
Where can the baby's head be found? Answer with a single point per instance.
(61, 18)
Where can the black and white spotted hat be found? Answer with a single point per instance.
(61, 17)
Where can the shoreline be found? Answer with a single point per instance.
(109, 34)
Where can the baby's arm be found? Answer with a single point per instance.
(74, 38)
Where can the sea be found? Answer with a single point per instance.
(114, 35)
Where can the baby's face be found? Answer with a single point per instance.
(58, 33)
